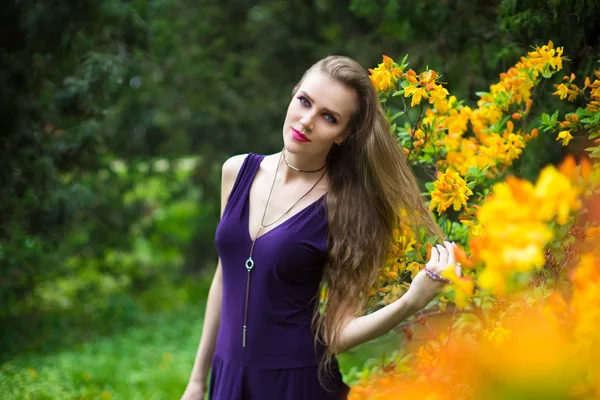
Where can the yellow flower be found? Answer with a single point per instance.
(546, 58)
(417, 94)
(442, 106)
(385, 76)
(388, 62)
(427, 77)
(498, 335)
(514, 235)
(437, 96)
(561, 90)
(450, 189)
(382, 79)
(565, 136)
(492, 280)
(414, 268)
(462, 287)
(474, 228)
(556, 195)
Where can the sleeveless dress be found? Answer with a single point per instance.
(280, 360)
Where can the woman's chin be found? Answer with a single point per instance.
(291, 145)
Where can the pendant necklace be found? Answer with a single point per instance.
(250, 261)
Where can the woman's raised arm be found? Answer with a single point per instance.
(358, 330)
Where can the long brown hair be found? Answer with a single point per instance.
(370, 182)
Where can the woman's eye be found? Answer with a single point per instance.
(330, 118)
(303, 101)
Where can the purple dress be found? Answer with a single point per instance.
(280, 358)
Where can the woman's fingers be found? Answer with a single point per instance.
(452, 258)
(450, 248)
(458, 270)
(443, 251)
(442, 257)
(435, 257)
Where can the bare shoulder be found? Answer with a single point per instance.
(231, 168)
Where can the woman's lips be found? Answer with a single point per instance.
(299, 136)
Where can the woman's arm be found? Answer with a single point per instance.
(422, 290)
(212, 316)
(208, 340)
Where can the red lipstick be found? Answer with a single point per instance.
(299, 136)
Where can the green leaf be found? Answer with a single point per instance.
(398, 114)
(545, 118)
(473, 171)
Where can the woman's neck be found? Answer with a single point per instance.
(296, 166)
(304, 163)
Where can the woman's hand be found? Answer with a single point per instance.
(194, 391)
(426, 285)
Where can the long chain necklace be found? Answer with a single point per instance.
(298, 169)
(250, 261)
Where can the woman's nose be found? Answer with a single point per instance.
(307, 120)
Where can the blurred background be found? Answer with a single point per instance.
(115, 118)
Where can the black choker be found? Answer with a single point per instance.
(298, 169)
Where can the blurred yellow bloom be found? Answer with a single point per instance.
(556, 195)
(492, 280)
(498, 334)
(461, 286)
(514, 235)
(516, 219)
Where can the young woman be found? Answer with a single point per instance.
(320, 212)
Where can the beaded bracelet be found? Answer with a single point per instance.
(435, 276)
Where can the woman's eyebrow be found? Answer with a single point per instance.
(335, 114)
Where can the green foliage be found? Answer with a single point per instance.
(92, 277)
(60, 78)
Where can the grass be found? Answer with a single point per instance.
(150, 361)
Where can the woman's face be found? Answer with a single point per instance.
(318, 115)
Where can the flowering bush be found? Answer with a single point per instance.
(522, 321)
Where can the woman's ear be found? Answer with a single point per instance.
(343, 136)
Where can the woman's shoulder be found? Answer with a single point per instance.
(231, 167)
(234, 163)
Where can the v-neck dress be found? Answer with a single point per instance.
(280, 360)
